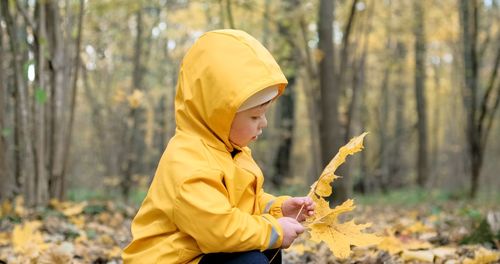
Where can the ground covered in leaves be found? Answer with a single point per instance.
(95, 232)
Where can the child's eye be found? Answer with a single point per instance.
(255, 117)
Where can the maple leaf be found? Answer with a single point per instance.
(26, 239)
(322, 186)
(324, 225)
(339, 236)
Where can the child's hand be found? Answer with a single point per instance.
(292, 206)
(291, 230)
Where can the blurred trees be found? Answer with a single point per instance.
(41, 82)
(351, 66)
(481, 98)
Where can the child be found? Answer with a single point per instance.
(206, 203)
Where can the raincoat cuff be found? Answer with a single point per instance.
(276, 237)
(275, 206)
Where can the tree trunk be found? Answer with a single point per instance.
(343, 186)
(395, 154)
(480, 110)
(469, 23)
(343, 65)
(6, 188)
(229, 12)
(39, 107)
(131, 136)
(72, 104)
(27, 167)
(58, 62)
(310, 76)
(436, 127)
(421, 104)
(285, 115)
(383, 154)
(329, 124)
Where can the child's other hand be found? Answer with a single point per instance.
(292, 206)
(291, 230)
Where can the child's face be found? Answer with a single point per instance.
(248, 124)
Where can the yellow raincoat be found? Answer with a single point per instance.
(202, 199)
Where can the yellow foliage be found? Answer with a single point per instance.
(135, 99)
(444, 252)
(119, 96)
(324, 225)
(394, 245)
(4, 239)
(19, 208)
(6, 208)
(68, 208)
(27, 240)
(322, 186)
(340, 236)
(115, 252)
(419, 255)
(483, 256)
(78, 221)
(417, 227)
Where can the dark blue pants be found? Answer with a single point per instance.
(248, 257)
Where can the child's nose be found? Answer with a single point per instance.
(264, 122)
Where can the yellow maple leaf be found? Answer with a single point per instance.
(340, 236)
(26, 239)
(325, 225)
(322, 186)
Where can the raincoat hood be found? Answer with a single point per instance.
(218, 74)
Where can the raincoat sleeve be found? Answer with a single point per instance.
(203, 211)
(272, 204)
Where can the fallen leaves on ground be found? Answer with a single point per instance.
(420, 234)
(97, 234)
(65, 232)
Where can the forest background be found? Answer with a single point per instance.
(87, 89)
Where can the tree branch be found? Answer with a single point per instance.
(484, 111)
(25, 15)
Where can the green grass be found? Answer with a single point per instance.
(406, 197)
(85, 194)
(416, 196)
